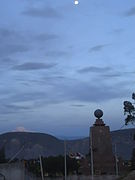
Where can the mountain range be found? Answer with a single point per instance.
(29, 145)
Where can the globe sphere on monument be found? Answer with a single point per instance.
(98, 113)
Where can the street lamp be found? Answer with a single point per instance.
(65, 159)
(116, 161)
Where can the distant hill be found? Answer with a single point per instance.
(122, 138)
(36, 144)
(125, 142)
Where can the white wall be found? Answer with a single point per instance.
(13, 171)
(16, 171)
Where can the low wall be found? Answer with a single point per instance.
(13, 171)
(85, 178)
(16, 171)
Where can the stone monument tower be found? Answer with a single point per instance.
(102, 159)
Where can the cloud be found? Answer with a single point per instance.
(33, 66)
(78, 105)
(15, 107)
(7, 60)
(85, 92)
(6, 33)
(130, 12)
(117, 74)
(97, 48)
(46, 12)
(112, 75)
(94, 69)
(56, 53)
(15, 41)
(6, 63)
(46, 37)
(9, 49)
(6, 107)
(12, 42)
(118, 31)
(20, 129)
(72, 91)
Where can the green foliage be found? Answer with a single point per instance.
(133, 160)
(129, 111)
(72, 165)
(53, 166)
(33, 166)
(2, 155)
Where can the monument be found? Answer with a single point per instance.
(102, 159)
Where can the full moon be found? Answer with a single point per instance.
(76, 2)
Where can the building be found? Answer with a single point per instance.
(102, 159)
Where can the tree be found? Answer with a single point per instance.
(53, 166)
(2, 155)
(133, 160)
(129, 111)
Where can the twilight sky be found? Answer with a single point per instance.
(59, 62)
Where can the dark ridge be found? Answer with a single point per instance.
(36, 144)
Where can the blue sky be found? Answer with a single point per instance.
(59, 62)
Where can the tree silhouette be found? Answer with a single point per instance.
(2, 155)
(129, 111)
(133, 160)
(53, 166)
